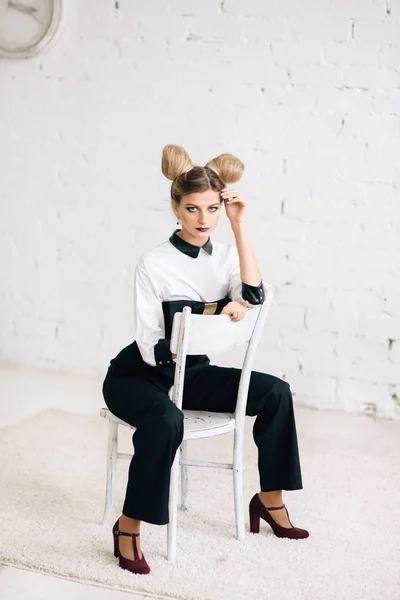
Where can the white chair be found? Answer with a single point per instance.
(200, 334)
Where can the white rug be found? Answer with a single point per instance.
(51, 499)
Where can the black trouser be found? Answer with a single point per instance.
(140, 402)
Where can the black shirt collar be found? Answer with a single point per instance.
(189, 249)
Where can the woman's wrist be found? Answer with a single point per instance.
(239, 228)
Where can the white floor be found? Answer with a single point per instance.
(24, 393)
(18, 584)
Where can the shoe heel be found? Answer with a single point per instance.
(116, 549)
(254, 524)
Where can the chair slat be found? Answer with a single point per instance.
(214, 333)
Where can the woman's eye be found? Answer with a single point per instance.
(193, 208)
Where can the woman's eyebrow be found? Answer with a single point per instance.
(197, 206)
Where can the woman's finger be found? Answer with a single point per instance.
(233, 199)
(229, 194)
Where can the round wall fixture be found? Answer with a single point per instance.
(28, 26)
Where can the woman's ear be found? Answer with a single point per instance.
(174, 207)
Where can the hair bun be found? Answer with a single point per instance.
(175, 161)
(228, 167)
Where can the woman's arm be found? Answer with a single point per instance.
(236, 207)
(149, 319)
(249, 272)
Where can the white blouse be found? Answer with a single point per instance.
(177, 270)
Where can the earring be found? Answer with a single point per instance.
(177, 222)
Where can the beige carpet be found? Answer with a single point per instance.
(51, 500)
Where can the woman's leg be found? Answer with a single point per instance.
(270, 399)
(159, 432)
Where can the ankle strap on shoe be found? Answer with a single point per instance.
(276, 507)
(133, 535)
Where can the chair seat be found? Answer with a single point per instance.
(107, 414)
(198, 423)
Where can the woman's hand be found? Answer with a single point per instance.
(235, 206)
(236, 311)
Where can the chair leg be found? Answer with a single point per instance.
(238, 487)
(173, 510)
(184, 476)
(112, 451)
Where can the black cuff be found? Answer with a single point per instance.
(162, 353)
(253, 294)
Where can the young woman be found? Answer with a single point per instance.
(212, 278)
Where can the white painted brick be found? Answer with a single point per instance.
(258, 71)
(307, 341)
(331, 365)
(347, 101)
(268, 76)
(297, 295)
(334, 27)
(366, 301)
(320, 359)
(263, 28)
(280, 273)
(370, 78)
(358, 347)
(366, 169)
(290, 316)
(394, 392)
(346, 321)
(382, 327)
(351, 53)
(336, 233)
(210, 8)
(317, 391)
(306, 94)
(389, 55)
(386, 102)
(271, 338)
(221, 28)
(376, 127)
(377, 31)
(355, 396)
(360, 9)
(381, 372)
(317, 209)
(250, 8)
(392, 302)
(285, 229)
(316, 76)
(183, 53)
(291, 53)
(273, 360)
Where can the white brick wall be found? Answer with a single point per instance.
(307, 93)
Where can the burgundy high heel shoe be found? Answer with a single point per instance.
(139, 565)
(259, 511)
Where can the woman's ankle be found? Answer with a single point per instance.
(128, 524)
(271, 498)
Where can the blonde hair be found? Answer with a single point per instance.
(188, 178)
